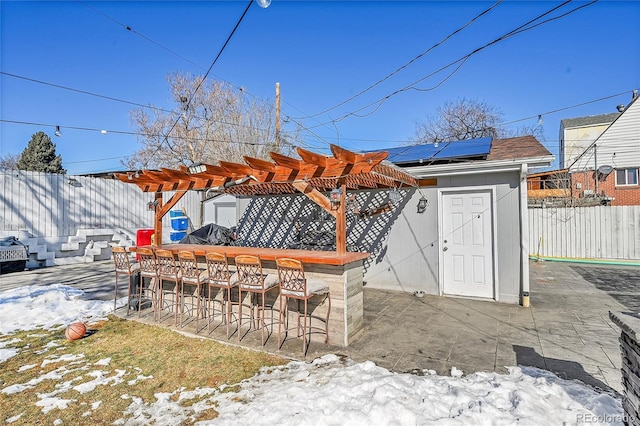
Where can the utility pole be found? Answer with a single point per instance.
(595, 163)
(277, 116)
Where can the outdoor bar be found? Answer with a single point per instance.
(312, 175)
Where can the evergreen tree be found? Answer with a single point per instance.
(40, 155)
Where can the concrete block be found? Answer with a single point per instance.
(69, 246)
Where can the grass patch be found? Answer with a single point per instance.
(136, 351)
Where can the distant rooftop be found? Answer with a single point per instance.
(589, 120)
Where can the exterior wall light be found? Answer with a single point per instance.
(197, 168)
(422, 204)
(334, 197)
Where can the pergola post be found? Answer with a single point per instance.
(157, 223)
(341, 222)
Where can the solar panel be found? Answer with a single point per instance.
(425, 153)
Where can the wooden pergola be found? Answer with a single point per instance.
(310, 175)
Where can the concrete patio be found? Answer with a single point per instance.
(566, 330)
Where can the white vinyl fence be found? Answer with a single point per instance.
(599, 232)
(55, 205)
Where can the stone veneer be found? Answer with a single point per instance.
(629, 322)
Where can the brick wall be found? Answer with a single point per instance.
(624, 195)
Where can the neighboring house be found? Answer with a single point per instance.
(577, 134)
(551, 188)
(599, 159)
(608, 167)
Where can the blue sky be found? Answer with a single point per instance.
(321, 52)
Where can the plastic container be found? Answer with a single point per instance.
(143, 238)
(180, 223)
(176, 213)
(177, 235)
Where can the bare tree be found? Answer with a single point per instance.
(534, 130)
(216, 122)
(9, 161)
(460, 120)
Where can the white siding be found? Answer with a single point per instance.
(599, 232)
(46, 205)
(619, 145)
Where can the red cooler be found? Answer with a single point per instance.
(143, 238)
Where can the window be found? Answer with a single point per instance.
(626, 177)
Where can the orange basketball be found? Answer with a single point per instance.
(75, 331)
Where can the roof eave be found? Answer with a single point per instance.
(480, 167)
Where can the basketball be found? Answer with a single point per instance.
(75, 331)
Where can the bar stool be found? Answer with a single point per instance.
(218, 276)
(124, 266)
(190, 274)
(148, 269)
(294, 285)
(168, 270)
(252, 280)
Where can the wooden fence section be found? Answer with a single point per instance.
(55, 205)
(598, 232)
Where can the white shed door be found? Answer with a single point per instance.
(467, 244)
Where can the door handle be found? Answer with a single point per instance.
(445, 248)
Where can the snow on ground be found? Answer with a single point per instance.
(31, 307)
(329, 390)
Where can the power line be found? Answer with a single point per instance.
(546, 113)
(122, 132)
(131, 30)
(95, 160)
(166, 138)
(324, 139)
(84, 92)
(520, 29)
(149, 39)
(565, 108)
(111, 98)
(397, 70)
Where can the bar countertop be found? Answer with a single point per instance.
(305, 256)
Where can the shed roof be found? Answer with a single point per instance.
(517, 148)
(520, 147)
